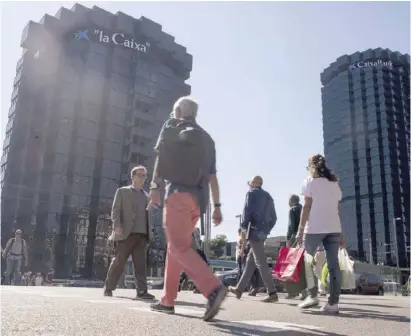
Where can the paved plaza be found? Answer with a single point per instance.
(59, 311)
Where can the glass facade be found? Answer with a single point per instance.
(88, 103)
(366, 119)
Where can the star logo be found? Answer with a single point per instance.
(82, 34)
(352, 67)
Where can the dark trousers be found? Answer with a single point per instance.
(256, 280)
(135, 245)
(256, 261)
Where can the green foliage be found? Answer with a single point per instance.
(217, 245)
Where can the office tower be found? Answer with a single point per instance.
(366, 120)
(91, 92)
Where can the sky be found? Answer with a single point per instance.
(256, 75)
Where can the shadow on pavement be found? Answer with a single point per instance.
(192, 304)
(360, 314)
(187, 316)
(375, 297)
(189, 304)
(134, 299)
(239, 329)
(374, 305)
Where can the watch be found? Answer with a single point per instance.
(217, 205)
(154, 186)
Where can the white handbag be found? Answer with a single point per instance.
(347, 270)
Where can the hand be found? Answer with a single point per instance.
(155, 199)
(288, 244)
(342, 243)
(299, 237)
(118, 230)
(217, 216)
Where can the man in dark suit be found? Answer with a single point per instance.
(259, 218)
(131, 234)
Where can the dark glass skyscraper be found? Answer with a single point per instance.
(366, 120)
(90, 94)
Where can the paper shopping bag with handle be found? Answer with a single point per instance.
(288, 264)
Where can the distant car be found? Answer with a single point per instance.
(156, 284)
(368, 283)
(230, 278)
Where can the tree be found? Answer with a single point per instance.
(217, 245)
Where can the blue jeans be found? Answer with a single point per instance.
(13, 267)
(331, 242)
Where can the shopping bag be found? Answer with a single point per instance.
(347, 270)
(295, 288)
(288, 264)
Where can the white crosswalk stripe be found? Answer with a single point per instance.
(272, 326)
(179, 310)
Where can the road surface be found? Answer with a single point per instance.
(60, 311)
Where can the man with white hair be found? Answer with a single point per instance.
(14, 252)
(131, 234)
(259, 218)
(185, 167)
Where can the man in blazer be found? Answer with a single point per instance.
(131, 234)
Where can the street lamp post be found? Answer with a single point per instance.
(369, 241)
(240, 217)
(394, 224)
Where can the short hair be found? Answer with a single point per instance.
(295, 199)
(136, 169)
(258, 180)
(188, 107)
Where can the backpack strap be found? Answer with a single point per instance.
(11, 246)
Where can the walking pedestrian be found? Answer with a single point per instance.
(259, 218)
(320, 223)
(319, 262)
(14, 253)
(294, 215)
(131, 234)
(185, 167)
(240, 251)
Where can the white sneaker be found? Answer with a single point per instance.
(330, 309)
(309, 303)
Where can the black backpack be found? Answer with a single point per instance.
(183, 155)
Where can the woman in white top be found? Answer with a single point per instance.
(320, 224)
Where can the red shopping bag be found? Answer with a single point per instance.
(288, 264)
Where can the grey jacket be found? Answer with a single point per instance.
(124, 211)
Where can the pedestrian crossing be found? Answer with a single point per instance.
(252, 327)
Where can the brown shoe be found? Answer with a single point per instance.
(234, 291)
(108, 292)
(273, 297)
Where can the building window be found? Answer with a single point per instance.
(6, 150)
